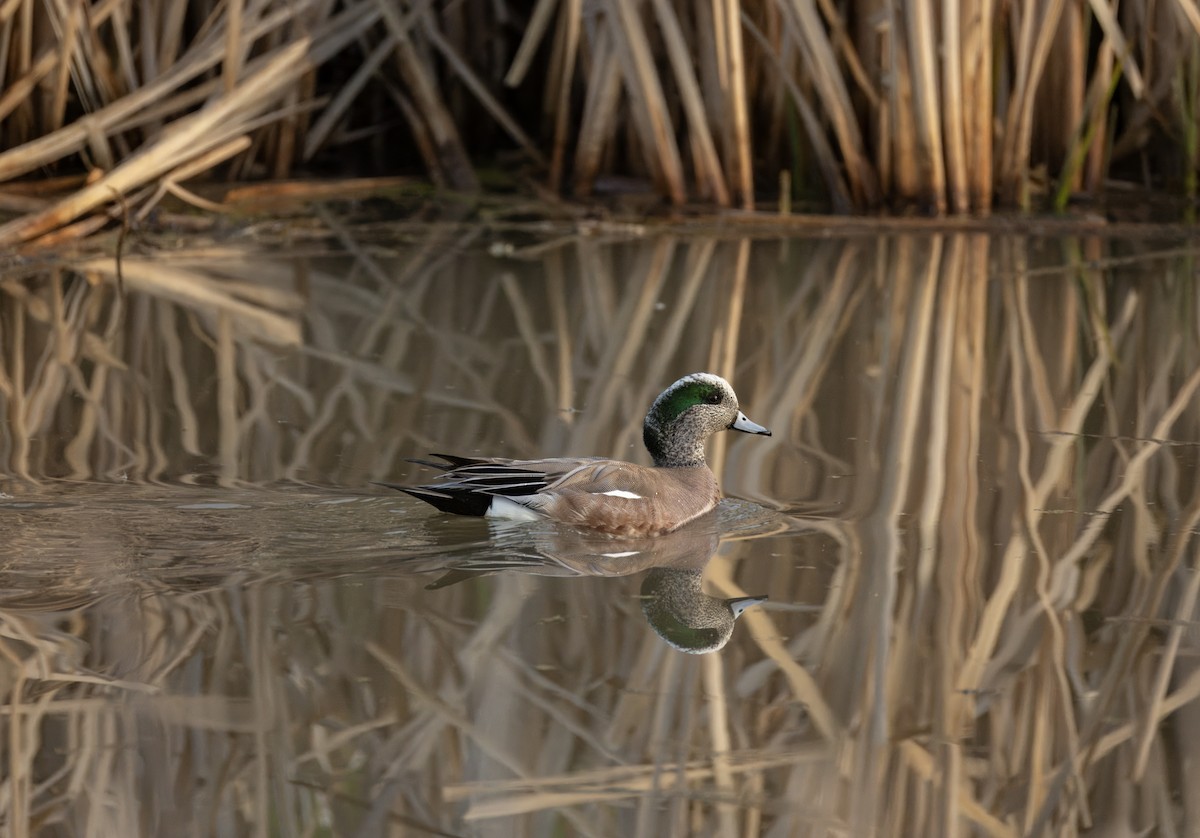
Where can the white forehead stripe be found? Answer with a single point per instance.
(621, 493)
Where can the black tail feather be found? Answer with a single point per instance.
(457, 503)
(475, 499)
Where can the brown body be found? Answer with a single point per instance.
(667, 497)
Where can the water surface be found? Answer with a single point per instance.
(974, 522)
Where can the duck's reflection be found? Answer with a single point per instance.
(686, 617)
(672, 595)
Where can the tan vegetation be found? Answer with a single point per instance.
(989, 628)
(953, 106)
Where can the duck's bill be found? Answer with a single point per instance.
(741, 423)
(740, 604)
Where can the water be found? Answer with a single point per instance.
(975, 522)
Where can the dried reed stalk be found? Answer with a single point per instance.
(100, 88)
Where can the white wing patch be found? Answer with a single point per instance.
(621, 493)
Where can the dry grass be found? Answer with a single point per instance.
(953, 107)
(999, 475)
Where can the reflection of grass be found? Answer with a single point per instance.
(1005, 614)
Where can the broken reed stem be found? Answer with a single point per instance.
(650, 114)
(568, 50)
(954, 119)
(707, 164)
(919, 24)
(738, 105)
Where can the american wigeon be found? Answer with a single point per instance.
(606, 495)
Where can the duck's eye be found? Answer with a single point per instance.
(713, 397)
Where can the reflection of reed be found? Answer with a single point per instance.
(1000, 465)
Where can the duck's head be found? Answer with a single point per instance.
(687, 413)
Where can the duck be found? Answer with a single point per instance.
(604, 495)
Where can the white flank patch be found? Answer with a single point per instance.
(621, 555)
(510, 510)
(621, 493)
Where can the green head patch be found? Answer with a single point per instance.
(676, 401)
(660, 432)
